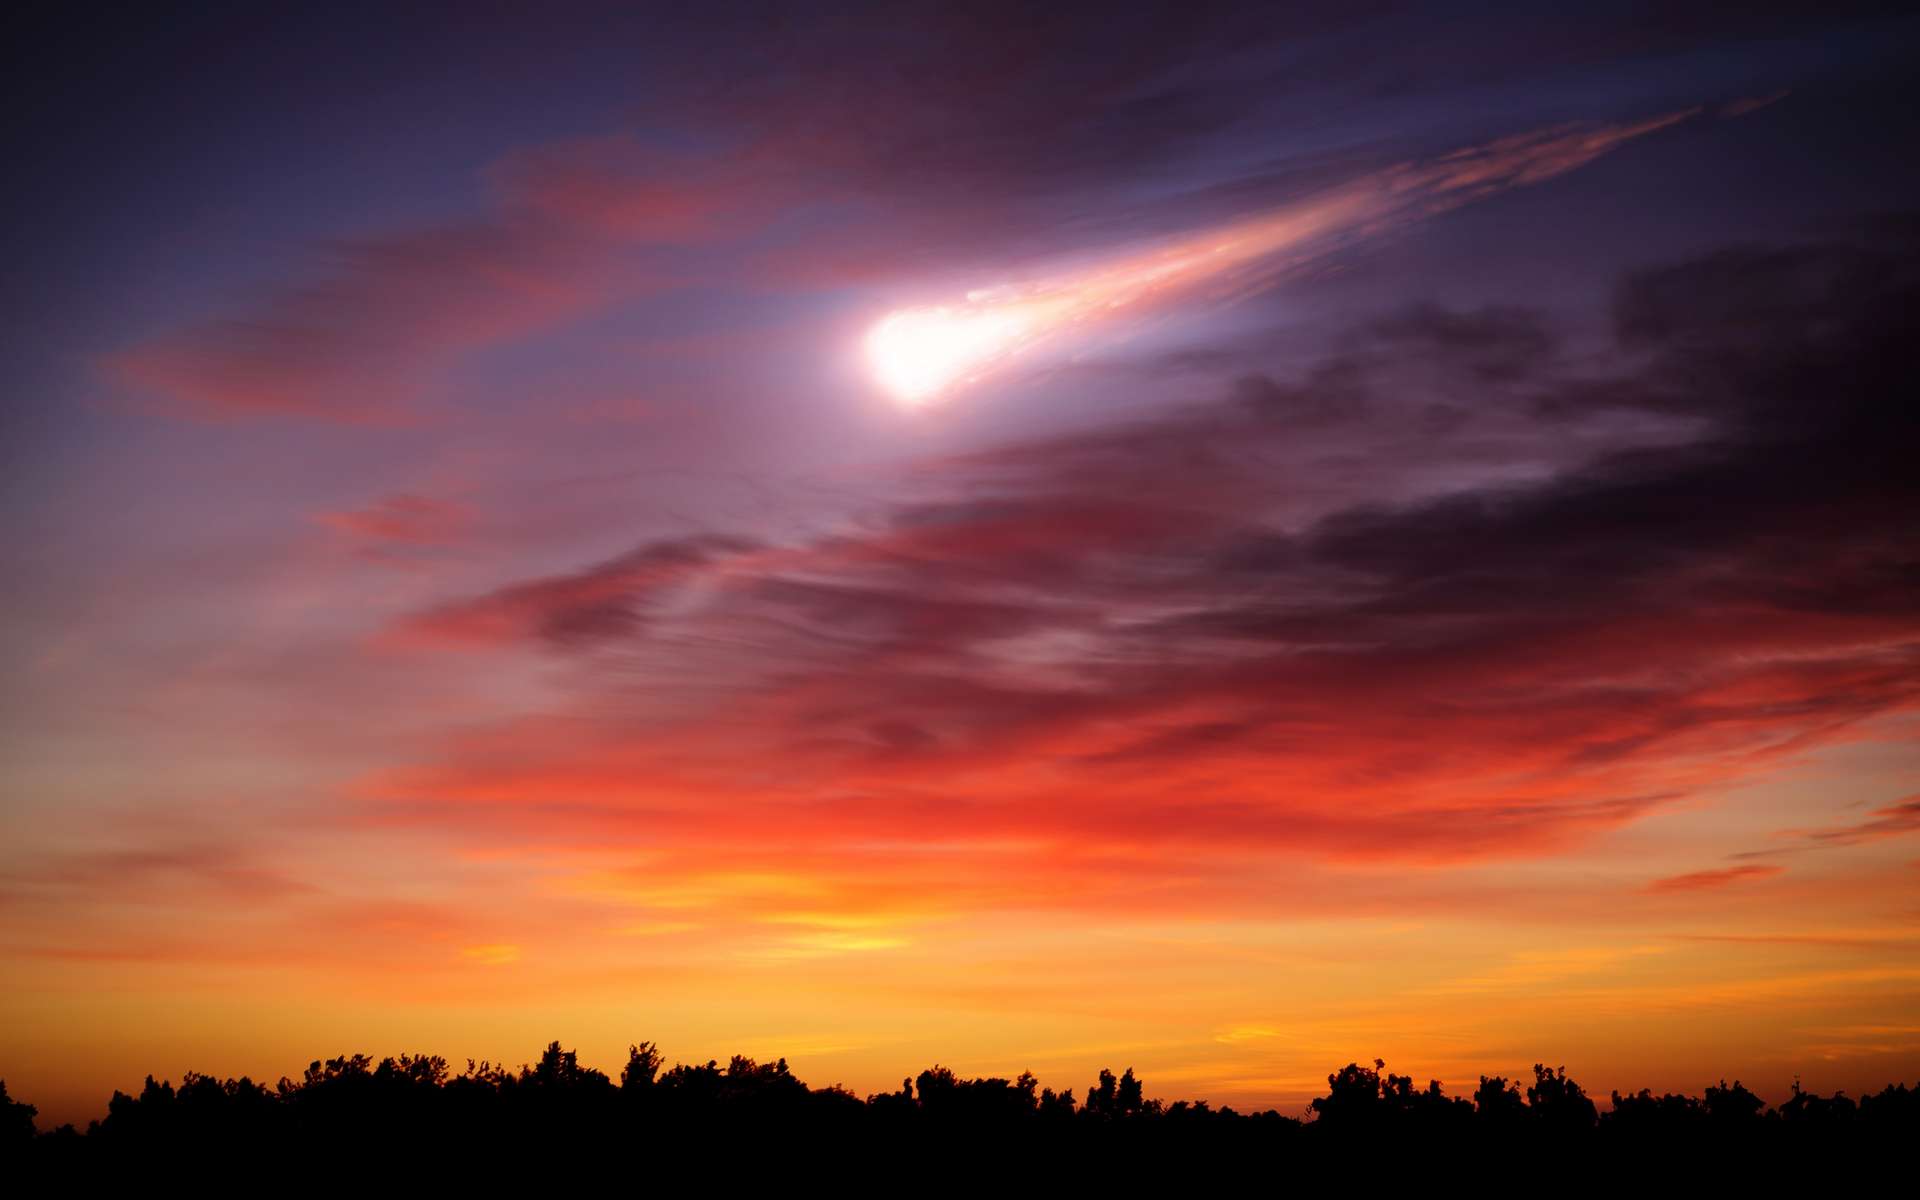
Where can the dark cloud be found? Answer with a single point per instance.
(602, 602)
(1492, 342)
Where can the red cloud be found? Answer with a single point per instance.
(403, 518)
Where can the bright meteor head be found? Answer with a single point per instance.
(917, 353)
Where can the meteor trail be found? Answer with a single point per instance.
(920, 354)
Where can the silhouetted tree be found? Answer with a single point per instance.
(1353, 1097)
(411, 1104)
(1497, 1102)
(1102, 1096)
(1891, 1111)
(1559, 1103)
(1732, 1107)
(642, 1069)
(1054, 1105)
(1644, 1115)
(1812, 1110)
(16, 1121)
(561, 1069)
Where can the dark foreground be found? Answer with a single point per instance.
(747, 1116)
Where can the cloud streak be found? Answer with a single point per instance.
(1697, 881)
(366, 341)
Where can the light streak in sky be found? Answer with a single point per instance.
(920, 354)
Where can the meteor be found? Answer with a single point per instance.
(919, 355)
(916, 353)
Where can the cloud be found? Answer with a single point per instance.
(600, 603)
(1696, 881)
(400, 518)
(618, 188)
(163, 876)
(1159, 654)
(1894, 820)
(367, 339)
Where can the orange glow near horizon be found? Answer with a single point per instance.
(1239, 976)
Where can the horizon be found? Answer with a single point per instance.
(1199, 538)
(565, 1064)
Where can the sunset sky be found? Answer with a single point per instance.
(1217, 541)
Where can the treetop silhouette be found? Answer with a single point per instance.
(416, 1102)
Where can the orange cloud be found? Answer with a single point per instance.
(1695, 881)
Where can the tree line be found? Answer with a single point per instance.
(418, 1103)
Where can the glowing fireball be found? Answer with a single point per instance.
(917, 353)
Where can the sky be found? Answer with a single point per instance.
(1218, 540)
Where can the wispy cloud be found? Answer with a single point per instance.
(1697, 881)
